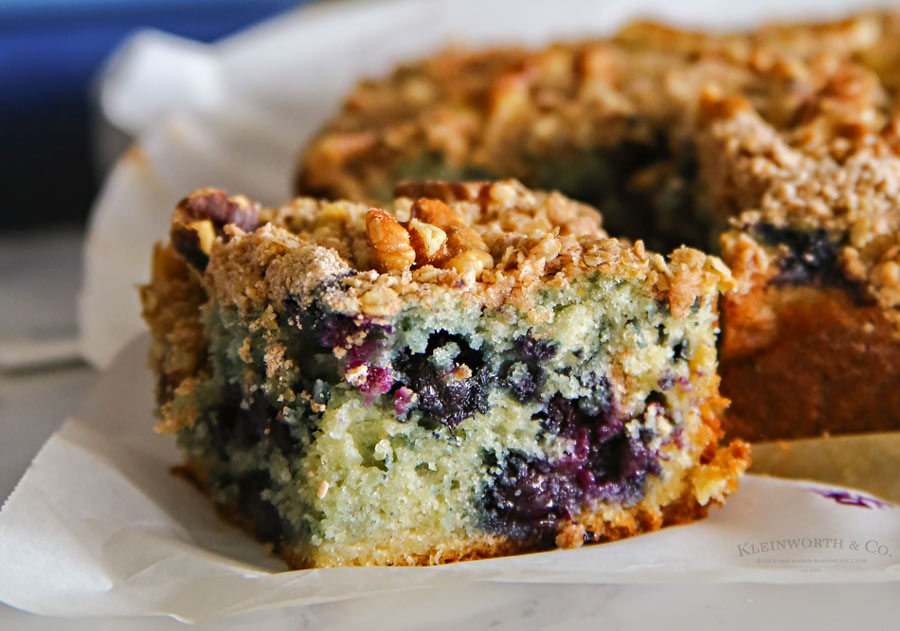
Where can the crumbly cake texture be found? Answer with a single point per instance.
(470, 371)
(778, 148)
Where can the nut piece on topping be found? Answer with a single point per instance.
(436, 212)
(206, 234)
(435, 235)
(471, 263)
(219, 208)
(445, 191)
(498, 246)
(201, 217)
(429, 242)
(389, 241)
(461, 237)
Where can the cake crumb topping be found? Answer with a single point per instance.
(494, 242)
(793, 126)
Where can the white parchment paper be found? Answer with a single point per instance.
(99, 526)
(237, 114)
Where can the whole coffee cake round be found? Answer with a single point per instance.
(777, 148)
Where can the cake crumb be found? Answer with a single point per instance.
(572, 536)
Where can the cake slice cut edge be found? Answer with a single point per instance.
(474, 370)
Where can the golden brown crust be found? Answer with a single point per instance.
(853, 196)
(172, 303)
(799, 362)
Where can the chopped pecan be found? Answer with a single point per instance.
(887, 274)
(463, 238)
(436, 212)
(216, 206)
(445, 191)
(389, 241)
(471, 263)
(429, 242)
(460, 236)
(201, 217)
(463, 249)
(714, 107)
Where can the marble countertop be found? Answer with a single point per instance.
(39, 276)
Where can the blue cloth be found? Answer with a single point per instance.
(49, 52)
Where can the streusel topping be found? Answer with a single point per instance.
(490, 242)
(793, 126)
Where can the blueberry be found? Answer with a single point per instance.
(529, 496)
(813, 258)
(524, 375)
(523, 380)
(666, 381)
(445, 395)
(534, 349)
(242, 421)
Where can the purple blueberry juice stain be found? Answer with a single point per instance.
(667, 380)
(677, 437)
(378, 381)
(404, 401)
(263, 516)
(528, 495)
(846, 498)
(371, 356)
(358, 342)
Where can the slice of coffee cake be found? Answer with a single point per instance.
(471, 371)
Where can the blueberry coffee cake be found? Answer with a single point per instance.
(470, 370)
(777, 148)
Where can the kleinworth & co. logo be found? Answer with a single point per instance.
(871, 546)
(816, 553)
